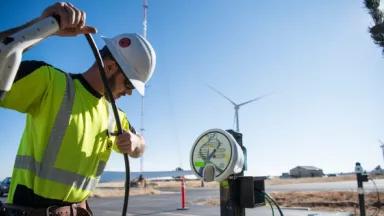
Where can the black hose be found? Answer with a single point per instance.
(108, 94)
(127, 181)
(378, 203)
(268, 197)
(271, 205)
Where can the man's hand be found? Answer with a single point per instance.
(130, 143)
(72, 20)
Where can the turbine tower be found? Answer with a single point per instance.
(382, 146)
(235, 105)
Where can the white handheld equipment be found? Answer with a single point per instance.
(12, 47)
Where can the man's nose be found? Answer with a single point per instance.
(129, 92)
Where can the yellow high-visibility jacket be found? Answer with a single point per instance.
(65, 145)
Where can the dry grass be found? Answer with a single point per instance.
(116, 189)
(321, 201)
(328, 201)
(278, 181)
(207, 202)
(175, 184)
(197, 184)
(172, 184)
(119, 192)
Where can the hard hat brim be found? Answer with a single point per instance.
(127, 69)
(139, 86)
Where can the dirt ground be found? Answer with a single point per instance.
(331, 201)
(324, 201)
(277, 181)
(328, 201)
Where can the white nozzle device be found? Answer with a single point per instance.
(12, 47)
(209, 173)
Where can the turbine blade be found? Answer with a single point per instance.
(218, 92)
(252, 100)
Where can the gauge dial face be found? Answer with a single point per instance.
(212, 148)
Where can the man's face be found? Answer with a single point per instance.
(120, 86)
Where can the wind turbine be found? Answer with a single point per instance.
(235, 105)
(382, 146)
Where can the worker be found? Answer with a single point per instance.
(70, 130)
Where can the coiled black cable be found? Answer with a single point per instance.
(378, 203)
(108, 94)
(271, 205)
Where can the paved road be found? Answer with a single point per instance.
(167, 205)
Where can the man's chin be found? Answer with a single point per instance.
(118, 96)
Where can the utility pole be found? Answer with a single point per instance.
(361, 176)
(145, 28)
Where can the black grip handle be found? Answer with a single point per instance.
(57, 18)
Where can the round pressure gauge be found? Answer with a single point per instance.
(215, 155)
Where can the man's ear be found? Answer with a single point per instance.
(110, 67)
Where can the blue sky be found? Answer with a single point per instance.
(316, 57)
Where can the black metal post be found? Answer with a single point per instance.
(360, 177)
(360, 190)
(229, 189)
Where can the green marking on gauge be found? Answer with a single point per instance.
(199, 164)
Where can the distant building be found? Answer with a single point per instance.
(306, 171)
(285, 175)
(377, 171)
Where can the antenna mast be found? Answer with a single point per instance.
(145, 8)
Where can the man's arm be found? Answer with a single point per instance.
(72, 20)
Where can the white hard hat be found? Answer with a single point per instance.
(135, 56)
